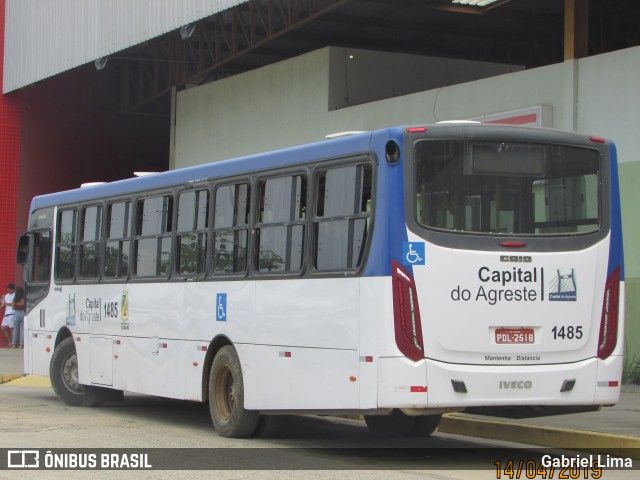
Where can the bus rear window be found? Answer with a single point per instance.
(503, 187)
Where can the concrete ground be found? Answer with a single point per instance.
(614, 430)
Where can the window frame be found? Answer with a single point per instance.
(135, 237)
(98, 244)
(73, 245)
(258, 225)
(175, 251)
(316, 220)
(107, 205)
(249, 227)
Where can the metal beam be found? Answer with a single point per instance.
(217, 40)
(576, 29)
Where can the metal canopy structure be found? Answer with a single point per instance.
(256, 33)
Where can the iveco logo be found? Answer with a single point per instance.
(515, 384)
(515, 259)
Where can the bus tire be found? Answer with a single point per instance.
(395, 425)
(63, 372)
(425, 426)
(226, 397)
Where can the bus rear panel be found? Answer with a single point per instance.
(508, 281)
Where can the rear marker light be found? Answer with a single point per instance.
(609, 321)
(606, 384)
(513, 244)
(597, 139)
(406, 314)
(285, 354)
(202, 348)
(416, 129)
(418, 389)
(366, 359)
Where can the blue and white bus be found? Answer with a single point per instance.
(397, 274)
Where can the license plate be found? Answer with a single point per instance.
(514, 335)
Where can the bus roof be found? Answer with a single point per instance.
(329, 148)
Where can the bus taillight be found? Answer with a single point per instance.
(406, 314)
(609, 322)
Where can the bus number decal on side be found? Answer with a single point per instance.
(111, 309)
(221, 307)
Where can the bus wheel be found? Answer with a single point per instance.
(64, 374)
(226, 397)
(395, 425)
(425, 426)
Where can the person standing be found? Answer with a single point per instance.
(7, 321)
(18, 318)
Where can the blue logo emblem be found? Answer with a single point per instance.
(413, 253)
(221, 307)
(563, 287)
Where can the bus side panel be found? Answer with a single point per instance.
(376, 335)
(307, 345)
(306, 378)
(39, 350)
(402, 383)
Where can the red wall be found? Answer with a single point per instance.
(73, 132)
(62, 132)
(9, 168)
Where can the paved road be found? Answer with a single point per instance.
(33, 417)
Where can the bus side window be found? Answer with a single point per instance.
(231, 229)
(191, 238)
(41, 261)
(90, 242)
(66, 238)
(343, 212)
(281, 227)
(153, 236)
(116, 261)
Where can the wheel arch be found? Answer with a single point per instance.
(214, 347)
(63, 334)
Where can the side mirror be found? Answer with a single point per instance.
(23, 250)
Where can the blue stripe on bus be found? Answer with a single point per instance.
(616, 256)
(390, 229)
(338, 147)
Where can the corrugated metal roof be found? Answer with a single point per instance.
(47, 37)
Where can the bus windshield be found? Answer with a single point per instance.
(503, 187)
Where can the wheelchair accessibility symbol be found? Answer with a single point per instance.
(413, 253)
(221, 307)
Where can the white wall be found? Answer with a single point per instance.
(287, 104)
(608, 99)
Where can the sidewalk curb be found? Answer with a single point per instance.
(565, 438)
(8, 378)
